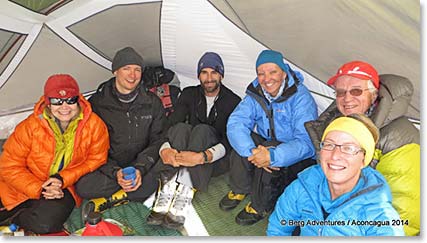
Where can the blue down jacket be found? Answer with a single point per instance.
(289, 112)
(364, 211)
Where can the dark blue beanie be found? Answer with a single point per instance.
(210, 60)
(275, 57)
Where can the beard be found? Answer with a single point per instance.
(211, 89)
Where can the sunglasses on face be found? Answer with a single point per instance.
(353, 92)
(59, 101)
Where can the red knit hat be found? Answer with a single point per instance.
(60, 86)
(357, 69)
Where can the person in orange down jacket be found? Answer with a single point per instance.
(47, 153)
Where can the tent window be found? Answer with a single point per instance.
(41, 6)
(9, 44)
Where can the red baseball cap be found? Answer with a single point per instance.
(357, 69)
(60, 86)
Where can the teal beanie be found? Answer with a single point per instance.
(270, 56)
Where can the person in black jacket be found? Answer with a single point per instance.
(136, 121)
(197, 146)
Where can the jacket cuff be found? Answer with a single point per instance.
(58, 176)
(272, 156)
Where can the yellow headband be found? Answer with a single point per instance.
(356, 129)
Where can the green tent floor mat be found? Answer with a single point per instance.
(131, 215)
(206, 204)
(218, 222)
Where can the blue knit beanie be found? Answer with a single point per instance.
(271, 56)
(211, 60)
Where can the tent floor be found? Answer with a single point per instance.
(216, 221)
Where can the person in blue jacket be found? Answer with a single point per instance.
(267, 134)
(341, 196)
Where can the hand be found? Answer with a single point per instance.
(52, 189)
(260, 157)
(189, 158)
(168, 156)
(126, 185)
(270, 169)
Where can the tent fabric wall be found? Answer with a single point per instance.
(25, 86)
(210, 30)
(316, 37)
(319, 36)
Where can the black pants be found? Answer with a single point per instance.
(184, 137)
(41, 216)
(99, 184)
(264, 187)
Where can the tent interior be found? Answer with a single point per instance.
(80, 37)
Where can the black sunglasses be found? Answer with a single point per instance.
(59, 101)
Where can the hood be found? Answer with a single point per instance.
(395, 95)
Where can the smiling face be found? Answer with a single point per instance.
(341, 170)
(65, 112)
(210, 80)
(128, 78)
(270, 77)
(349, 104)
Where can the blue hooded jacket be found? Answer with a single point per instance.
(289, 112)
(364, 211)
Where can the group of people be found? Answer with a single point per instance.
(308, 174)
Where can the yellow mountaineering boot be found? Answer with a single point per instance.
(101, 204)
(231, 200)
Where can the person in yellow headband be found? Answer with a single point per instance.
(341, 196)
(348, 145)
(359, 127)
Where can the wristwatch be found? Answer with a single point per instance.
(205, 157)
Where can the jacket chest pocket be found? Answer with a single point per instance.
(139, 125)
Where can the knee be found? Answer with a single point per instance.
(82, 187)
(203, 130)
(179, 127)
(234, 156)
(41, 224)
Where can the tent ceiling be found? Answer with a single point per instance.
(82, 36)
(41, 6)
(26, 85)
(319, 36)
(135, 25)
(9, 45)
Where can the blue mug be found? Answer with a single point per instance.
(129, 173)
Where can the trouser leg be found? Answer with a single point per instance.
(242, 171)
(149, 185)
(202, 137)
(46, 216)
(267, 187)
(97, 184)
(264, 194)
(6, 216)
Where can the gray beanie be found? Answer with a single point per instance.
(126, 56)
